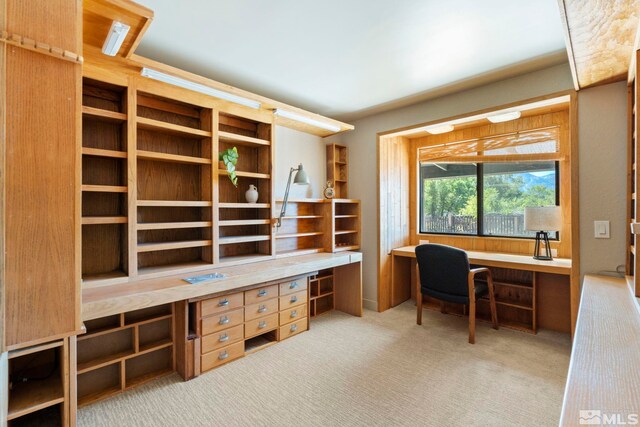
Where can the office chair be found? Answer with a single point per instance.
(445, 274)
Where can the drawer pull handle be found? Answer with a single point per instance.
(224, 320)
(293, 299)
(294, 313)
(223, 355)
(262, 292)
(262, 309)
(262, 325)
(224, 337)
(293, 285)
(293, 328)
(223, 303)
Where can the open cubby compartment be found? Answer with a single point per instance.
(173, 112)
(321, 286)
(103, 349)
(101, 205)
(103, 96)
(340, 154)
(346, 208)
(321, 305)
(244, 252)
(312, 209)
(148, 314)
(104, 251)
(102, 324)
(148, 366)
(347, 224)
(348, 241)
(51, 416)
(244, 127)
(244, 213)
(99, 383)
(508, 317)
(251, 158)
(36, 381)
(299, 245)
(228, 193)
(195, 148)
(155, 333)
(173, 181)
(105, 171)
(261, 341)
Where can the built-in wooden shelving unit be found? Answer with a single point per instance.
(123, 351)
(321, 293)
(338, 169)
(305, 227)
(346, 227)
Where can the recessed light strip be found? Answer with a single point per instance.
(197, 87)
(504, 117)
(115, 38)
(308, 120)
(438, 129)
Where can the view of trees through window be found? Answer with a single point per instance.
(454, 201)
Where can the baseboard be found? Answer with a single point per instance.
(370, 304)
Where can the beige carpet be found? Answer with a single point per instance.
(379, 370)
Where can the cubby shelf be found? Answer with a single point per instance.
(292, 235)
(98, 152)
(233, 223)
(242, 239)
(174, 203)
(345, 231)
(170, 128)
(163, 246)
(105, 115)
(104, 188)
(244, 205)
(174, 158)
(302, 217)
(247, 174)
(97, 220)
(173, 225)
(241, 139)
(25, 399)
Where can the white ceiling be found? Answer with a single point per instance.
(346, 58)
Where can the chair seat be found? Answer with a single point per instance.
(481, 289)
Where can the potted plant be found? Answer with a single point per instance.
(229, 158)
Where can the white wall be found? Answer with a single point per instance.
(292, 148)
(602, 131)
(362, 144)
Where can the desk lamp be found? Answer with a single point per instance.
(541, 220)
(300, 178)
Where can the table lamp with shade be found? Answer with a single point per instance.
(542, 220)
(300, 178)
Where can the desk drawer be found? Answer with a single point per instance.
(260, 294)
(293, 286)
(221, 356)
(222, 338)
(261, 309)
(260, 326)
(220, 304)
(293, 300)
(222, 321)
(293, 328)
(291, 314)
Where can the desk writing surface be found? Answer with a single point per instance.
(495, 259)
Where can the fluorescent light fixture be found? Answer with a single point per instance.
(117, 33)
(435, 130)
(197, 87)
(304, 119)
(504, 117)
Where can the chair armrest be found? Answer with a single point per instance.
(481, 270)
(472, 275)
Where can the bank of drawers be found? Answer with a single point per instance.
(226, 322)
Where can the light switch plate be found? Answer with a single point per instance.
(601, 229)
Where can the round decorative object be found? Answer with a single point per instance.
(251, 194)
(329, 192)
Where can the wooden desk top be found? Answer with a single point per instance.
(112, 299)
(495, 259)
(604, 373)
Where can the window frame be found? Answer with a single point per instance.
(480, 204)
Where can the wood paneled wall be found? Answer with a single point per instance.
(496, 244)
(394, 156)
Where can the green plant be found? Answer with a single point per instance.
(230, 157)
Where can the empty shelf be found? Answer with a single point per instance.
(242, 239)
(99, 152)
(104, 188)
(247, 174)
(230, 223)
(165, 246)
(244, 205)
(105, 115)
(174, 158)
(173, 225)
(174, 203)
(241, 139)
(92, 220)
(159, 126)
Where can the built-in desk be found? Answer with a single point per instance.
(550, 284)
(604, 373)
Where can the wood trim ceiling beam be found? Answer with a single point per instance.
(600, 38)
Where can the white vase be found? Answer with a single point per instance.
(251, 194)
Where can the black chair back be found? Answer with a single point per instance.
(444, 272)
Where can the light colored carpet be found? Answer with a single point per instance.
(379, 370)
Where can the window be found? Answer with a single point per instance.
(484, 199)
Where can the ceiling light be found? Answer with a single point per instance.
(308, 120)
(504, 117)
(435, 130)
(117, 33)
(197, 87)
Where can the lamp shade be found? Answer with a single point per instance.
(547, 218)
(301, 176)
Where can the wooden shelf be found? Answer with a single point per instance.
(247, 174)
(324, 295)
(159, 345)
(319, 278)
(292, 235)
(94, 397)
(165, 246)
(103, 361)
(242, 239)
(345, 231)
(104, 115)
(244, 205)
(98, 152)
(170, 128)
(173, 158)
(346, 248)
(345, 216)
(302, 217)
(104, 278)
(174, 203)
(173, 225)
(134, 382)
(507, 303)
(241, 139)
(231, 223)
(32, 396)
(104, 188)
(94, 220)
